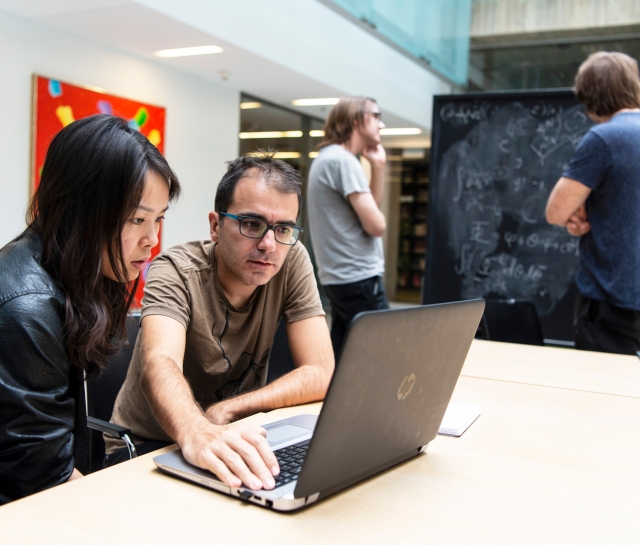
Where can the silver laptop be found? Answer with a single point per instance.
(391, 387)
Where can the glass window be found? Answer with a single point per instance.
(436, 32)
(292, 135)
(544, 66)
(264, 126)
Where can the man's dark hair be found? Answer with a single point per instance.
(277, 174)
(607, 83)
(93, 178)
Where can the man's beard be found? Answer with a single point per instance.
(237, 264)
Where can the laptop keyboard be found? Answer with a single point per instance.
(290, 460)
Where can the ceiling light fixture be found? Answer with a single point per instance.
(250, 105)
(313, 154)
(188, 51)
(315, 101)
(270, 134)
(400, 132)
(316, 134)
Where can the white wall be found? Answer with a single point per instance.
(202, 121)
(312, 40)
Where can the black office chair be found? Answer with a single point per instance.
(511, 321)
(281, 360)
(101, 396)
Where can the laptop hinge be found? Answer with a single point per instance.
(361, 477)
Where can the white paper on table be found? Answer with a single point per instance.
(458, 418)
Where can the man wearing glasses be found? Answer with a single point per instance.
(344, 212)
(210, 313)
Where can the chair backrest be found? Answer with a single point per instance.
(280, 360)
(103, 390)
(512, 321)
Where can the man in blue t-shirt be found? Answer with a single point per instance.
(598, 198)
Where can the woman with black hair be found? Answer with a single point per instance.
(66, 284)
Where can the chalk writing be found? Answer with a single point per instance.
(465, 113)
(494, 183)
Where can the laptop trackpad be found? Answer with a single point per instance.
(285, 433)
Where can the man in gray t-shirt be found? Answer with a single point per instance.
(344, 212)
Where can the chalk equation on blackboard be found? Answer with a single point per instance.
(497, 181)
(467, 113)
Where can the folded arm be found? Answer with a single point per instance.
(371, 218)
(237, 453)
(367, 205)
(566, 206)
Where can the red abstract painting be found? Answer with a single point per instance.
(56, 104)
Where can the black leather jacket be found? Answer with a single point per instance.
(42, 404)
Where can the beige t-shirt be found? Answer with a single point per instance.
(227, 349)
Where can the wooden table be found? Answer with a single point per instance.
(555, 368)
(554, 458)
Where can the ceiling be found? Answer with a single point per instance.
(139, 30)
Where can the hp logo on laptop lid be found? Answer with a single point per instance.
(406, 386)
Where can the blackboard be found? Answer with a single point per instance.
(494, 159)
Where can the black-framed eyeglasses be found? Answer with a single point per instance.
(258, 228)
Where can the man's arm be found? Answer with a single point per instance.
(310, 346)
(566, 206)
(367, 205)
(377, 157)
(236, 454)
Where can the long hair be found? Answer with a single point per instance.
(92, 181)
(607, 83)
(342, 119)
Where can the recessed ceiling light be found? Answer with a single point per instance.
(250, 105)
(400, 132)
(270, 134)
(417, 153)
(315, 101)
(316, 134)
(189, 51)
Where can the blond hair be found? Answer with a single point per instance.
(342, 119)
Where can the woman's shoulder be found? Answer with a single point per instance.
(21, 270)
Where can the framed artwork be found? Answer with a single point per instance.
(56, 104)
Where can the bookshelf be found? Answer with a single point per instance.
(413, 203)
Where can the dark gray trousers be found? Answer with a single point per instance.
(347, 300)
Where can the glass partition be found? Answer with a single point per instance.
(433, 31)
(292, 135)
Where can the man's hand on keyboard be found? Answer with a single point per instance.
(236, 454)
